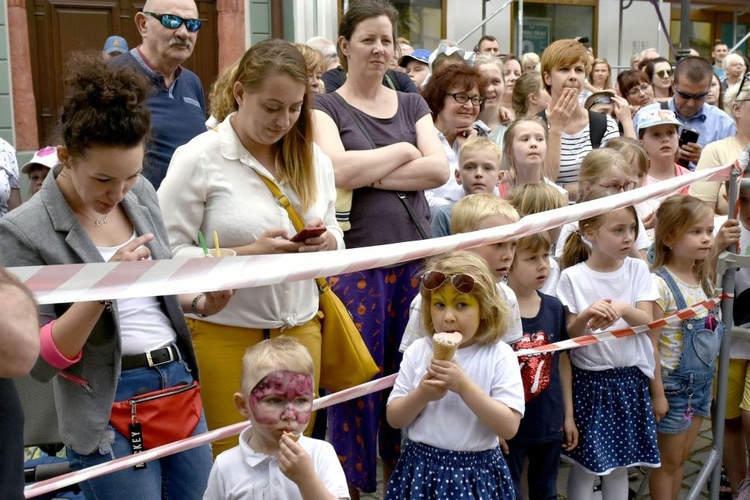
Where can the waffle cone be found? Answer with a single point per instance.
(444, 345)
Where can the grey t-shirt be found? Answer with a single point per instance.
(378, 217)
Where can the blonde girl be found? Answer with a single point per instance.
(602, 288)
(529, 95)
(524, 148)
(686, 353)
(607, 170)
(480, 388)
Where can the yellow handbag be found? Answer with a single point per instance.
(345, 360)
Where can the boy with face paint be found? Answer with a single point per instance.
(273, 459)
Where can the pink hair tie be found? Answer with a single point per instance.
(50, 352)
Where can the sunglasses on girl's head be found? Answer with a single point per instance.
(432, 280)
(173, 22)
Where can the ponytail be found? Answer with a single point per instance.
(575, 251)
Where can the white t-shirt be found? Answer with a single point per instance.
(143, 325)
(550, 286)
(415, 328)
(448, 423)
(580, 286)
(243, 473)
(641, 241)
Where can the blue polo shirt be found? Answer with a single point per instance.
(178, 113)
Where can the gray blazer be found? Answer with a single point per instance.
(45, 231)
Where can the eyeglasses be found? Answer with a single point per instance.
(616, 188)
(664, 73)
(686, 96)
(432, 280)
(463, 98)
(638, 89)
(174, 22)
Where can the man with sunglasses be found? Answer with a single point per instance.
(169, 29)
(692, 82)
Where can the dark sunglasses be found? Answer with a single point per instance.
(686, 96)
(173, 22)
(664, 73)
(432, 280)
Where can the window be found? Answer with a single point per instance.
(543, 23)
(420, 21)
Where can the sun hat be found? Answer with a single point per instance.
(46, 157)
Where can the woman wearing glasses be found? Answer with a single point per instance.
(455, 95)
(659, 72)
(635, 87)
(725, 150)
(383, 145)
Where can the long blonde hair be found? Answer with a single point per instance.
(599, 162)
(674, 217)
(295, 150)
(493, 310)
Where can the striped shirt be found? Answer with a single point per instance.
(574, 148)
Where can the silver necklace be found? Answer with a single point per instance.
(98, 221)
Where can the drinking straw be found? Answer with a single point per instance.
(216, 243)
(202, 241)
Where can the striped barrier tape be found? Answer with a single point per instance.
(117, 280)
(54, 484)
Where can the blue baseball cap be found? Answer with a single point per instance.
(115, 44)
(421, 55)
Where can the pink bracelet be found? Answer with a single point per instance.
(49, 351)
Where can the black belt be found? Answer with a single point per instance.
(152, 358)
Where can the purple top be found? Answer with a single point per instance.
(378, 217)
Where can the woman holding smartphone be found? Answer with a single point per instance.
(215, 183)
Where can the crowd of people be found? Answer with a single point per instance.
(372, 141)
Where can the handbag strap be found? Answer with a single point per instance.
(401, 195)
(293, 216)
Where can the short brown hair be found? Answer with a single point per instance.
(564, 53)
(460, 76)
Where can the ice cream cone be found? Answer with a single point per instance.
(444, 345)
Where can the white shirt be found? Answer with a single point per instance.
(213, 184)
(143, 324)
(448, 423)
(243, 473)
(415, 328)
(550, 286)
(580, 286)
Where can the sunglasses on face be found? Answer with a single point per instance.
(664, 73)
(687, 97)
(173, 22)
(638, 89)
(432, 280)
(463, 98)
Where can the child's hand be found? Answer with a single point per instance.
(448, 375)
(294, 461)
(660, 406)
(570, 431)
(430, 389)
(601, 314)
(729, 234)
(504, 446)
(649, 221)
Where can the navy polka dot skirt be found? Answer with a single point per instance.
(424, 471)
(615, 420)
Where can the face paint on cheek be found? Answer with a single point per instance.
(282, 395)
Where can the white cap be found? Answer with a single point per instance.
(46, 157)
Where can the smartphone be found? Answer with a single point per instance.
(687, 136)
(308, 232)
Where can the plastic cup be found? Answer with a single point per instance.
(223, 252)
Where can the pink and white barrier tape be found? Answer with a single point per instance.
(83, 282)
(54, 484)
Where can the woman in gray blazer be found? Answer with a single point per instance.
(97, 207)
